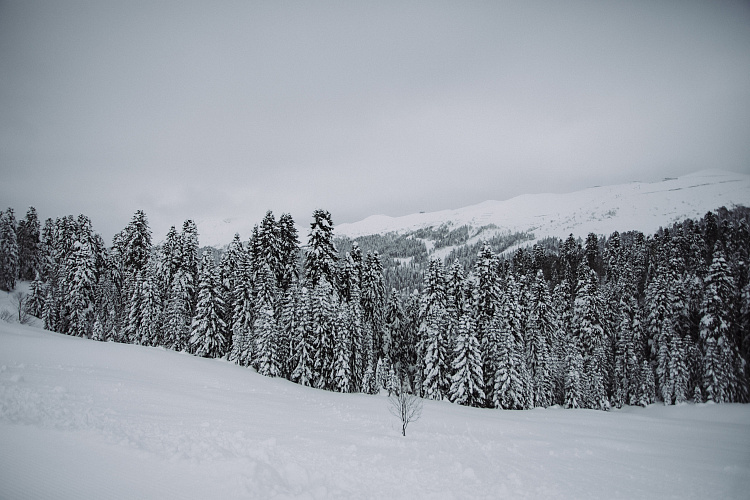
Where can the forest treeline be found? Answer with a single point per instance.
(627, 319)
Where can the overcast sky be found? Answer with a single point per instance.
(228, 109)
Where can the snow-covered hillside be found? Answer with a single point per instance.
(86, 419)
(600, 210)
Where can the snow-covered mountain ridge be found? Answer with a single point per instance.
(601, 210)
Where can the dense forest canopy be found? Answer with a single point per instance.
(626, 319)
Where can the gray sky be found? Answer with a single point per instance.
(227, 109)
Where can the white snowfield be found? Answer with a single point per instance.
(600, 210)
(85, 419)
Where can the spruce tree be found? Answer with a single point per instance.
(342, 349)
(467, 385)
(321, 253)
(302, 350)
(511, 383)
(574, 390)
(435, 380)
(81, 279)
(208, 328)
(372, 289)
(189, 261)
(288, 271)
(176, 315)
(8, 250)
(433, 334)
(540, 331)
(323, 307)
(29, 256)
(719, 353)
(265, 327)
(590, 332)
(150, 331)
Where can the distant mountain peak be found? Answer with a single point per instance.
(642, 206)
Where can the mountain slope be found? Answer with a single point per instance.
(87, 419)
(601, 210)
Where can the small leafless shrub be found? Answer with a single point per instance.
(405, 406)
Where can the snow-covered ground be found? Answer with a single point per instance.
(637, 206)
(85, 419)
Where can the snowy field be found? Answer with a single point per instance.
(84, 419)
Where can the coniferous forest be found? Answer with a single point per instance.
(628, 319)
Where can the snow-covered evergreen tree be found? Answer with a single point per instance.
(8, 250)
(574, 390)
(302, 351)
(29, 256)
(323, 316)
(81, 280)
(189, 261)
(342, 349)
(589, 329)
(321, 253)
(150, 330)
(467, 384)
(208, 329)
(372, 289)
(266, 335)
(435, 379)
(720, 379)
(540, 330)
(265, 327)
(511, 383)
(177, 318)
(289, 250)
(136, 243)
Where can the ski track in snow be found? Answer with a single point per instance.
(85, 419)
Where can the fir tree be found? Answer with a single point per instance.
(136, 242)
(29, 257)
(486, 298)
(176, 315)
(288, 271)
(323, 307)
(540, 331)
(342, 351)
(37, 293)
(467, 382)
(266, 334)
(265, 327)
(321, 253)
(435, 366)
(208, 328)
(243, 313)
(591, 336)
(372, 289)
(511, 378)
(189, 261)
(719, 377)
(8, 250)
(574, 393)
(150, 328)
(302, 350)
(81, 279)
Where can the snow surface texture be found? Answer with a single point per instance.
(600, 210)
(86, 419)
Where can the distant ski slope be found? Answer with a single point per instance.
(635, 206)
